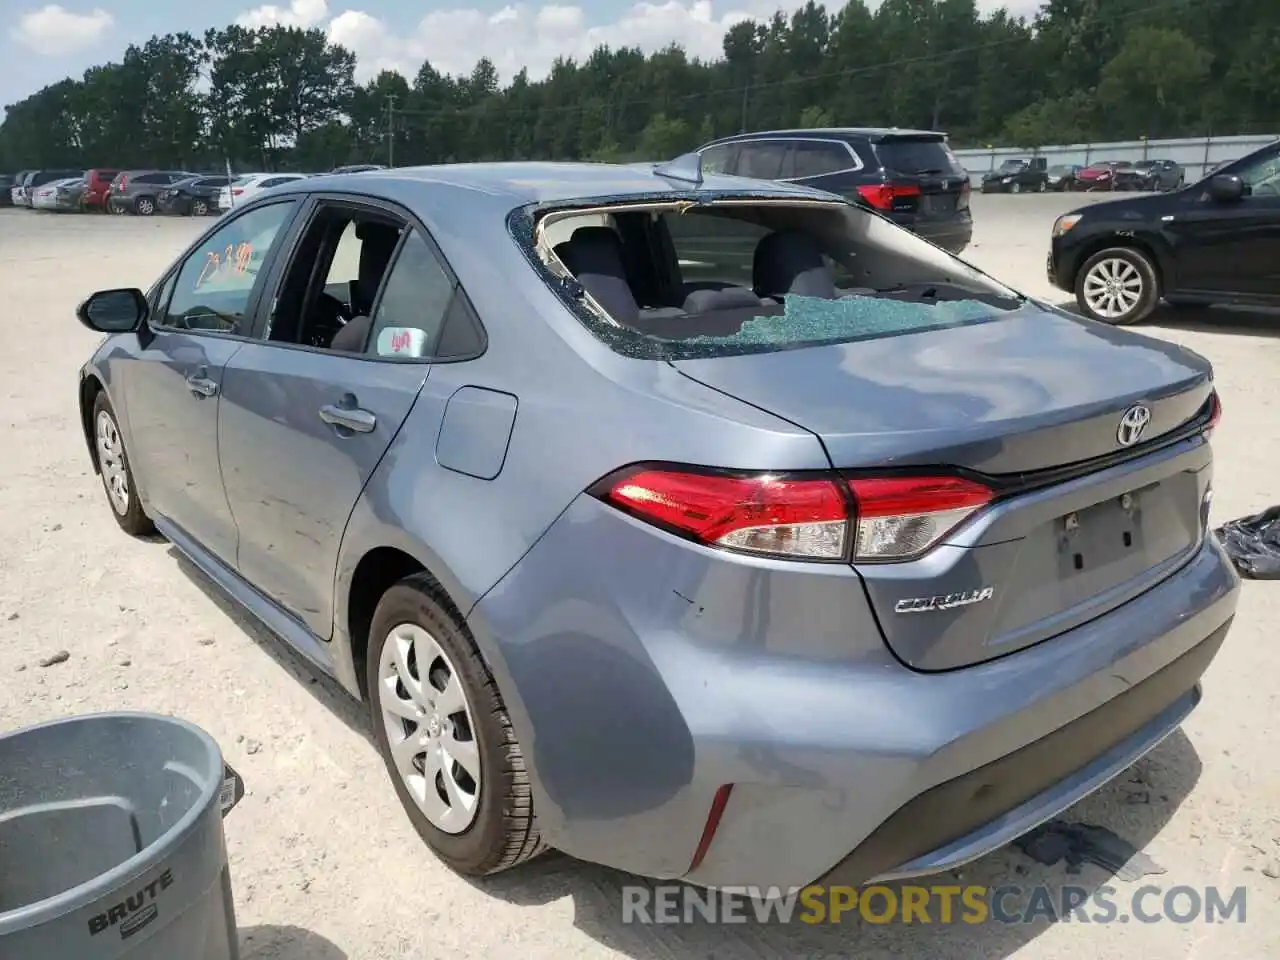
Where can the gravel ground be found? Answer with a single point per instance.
(325, 865)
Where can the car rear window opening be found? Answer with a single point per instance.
(731, 276)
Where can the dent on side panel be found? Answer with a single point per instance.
(476, 431)
(641, 673)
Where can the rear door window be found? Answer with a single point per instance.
(761, 159)
(917, 157)
(813, 158)
(411, 310)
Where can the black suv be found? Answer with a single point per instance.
(1212, 242)
(910, 176)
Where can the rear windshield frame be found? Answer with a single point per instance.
(634, 344)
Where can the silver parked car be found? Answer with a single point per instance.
(705, 527)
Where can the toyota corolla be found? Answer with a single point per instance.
(699, 526)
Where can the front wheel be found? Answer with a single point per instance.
(1118, 286)
(1016, 188)
(116, 472)
(443, 730)
(199, 208)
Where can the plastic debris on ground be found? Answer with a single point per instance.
(1253, 544)
(818, 319)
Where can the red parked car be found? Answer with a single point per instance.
(97, 183)
(1101, 175)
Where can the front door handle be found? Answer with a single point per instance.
(352, 418)
(202, 386)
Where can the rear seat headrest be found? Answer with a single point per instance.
(790, 261)
(594, 256)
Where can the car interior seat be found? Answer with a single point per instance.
(377, 245)
(790, 262)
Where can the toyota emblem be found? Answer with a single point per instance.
(1132, 424)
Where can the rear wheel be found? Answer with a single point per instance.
(144, 206)
(199, 208)
(1118, 286)
(443, 730)
(1042, 187)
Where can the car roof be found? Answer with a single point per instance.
(828, 133)
(521, 183)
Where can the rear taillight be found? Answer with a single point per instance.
(1215, 414)
(236, 191)
(124, 182)
(965, 190)
(882, 195)
(818, 518)
(902, 517)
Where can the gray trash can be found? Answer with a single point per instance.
(111, 842)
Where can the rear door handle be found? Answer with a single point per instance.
(202, 386)
(352, 418)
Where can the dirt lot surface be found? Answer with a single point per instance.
(326, 866)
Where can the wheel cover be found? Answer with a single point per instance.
(145, 206)
(1113, 288)
(199, 208)
(430, 733)
(115, 475)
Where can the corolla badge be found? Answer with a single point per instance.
(946, 601)
(1132, 424)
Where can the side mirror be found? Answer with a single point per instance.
(114, 311)
(1226, 188)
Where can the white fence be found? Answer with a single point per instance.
(1197, 155)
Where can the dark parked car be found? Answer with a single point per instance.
(195, 196)
(1018, 175)
(910, 176)
(7, 181)
(1151, 175)
(98, 187)
(358, 168)
(1062, 176)
(1215, 241)
(1101, 175)
(843, 557)
(138, 191)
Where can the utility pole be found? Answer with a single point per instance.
(391, 130)
(746, 91)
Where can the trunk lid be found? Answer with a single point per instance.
(1034, 401)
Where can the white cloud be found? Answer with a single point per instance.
(54, 31)
(299, 13)
(524, 36)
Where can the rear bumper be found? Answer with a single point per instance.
(643, 673)
(951, 235)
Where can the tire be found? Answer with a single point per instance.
(144, 206)
(1042, 187)
(116, 472)
(1131, 279)
(199, 208)
(497, 830)
(1015, 188)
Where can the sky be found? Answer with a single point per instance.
(45, 44)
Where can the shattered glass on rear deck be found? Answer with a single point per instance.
(817, 320)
